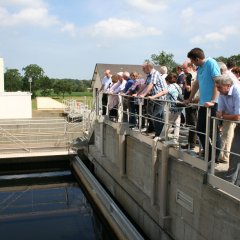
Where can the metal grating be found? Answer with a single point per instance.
(184, 200)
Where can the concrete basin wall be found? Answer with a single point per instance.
(194, 209)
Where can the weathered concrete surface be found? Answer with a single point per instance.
(215, 214)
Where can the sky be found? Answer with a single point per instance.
(68, 38)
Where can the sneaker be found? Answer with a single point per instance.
(143, 129)
(172, 142)
(191, 147)
(156, 138)
(222, 161)
(135, 129)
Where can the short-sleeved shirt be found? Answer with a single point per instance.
(173, 91)
(230, 103)
(159, 84)
(106, 82)
(205, 75)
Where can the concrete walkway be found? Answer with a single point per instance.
(47, 103)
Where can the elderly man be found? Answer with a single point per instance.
(229, 109)
(207, 71)
(155, 84)
(106, 82)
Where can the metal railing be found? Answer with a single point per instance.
(48, 134)
(206, 162)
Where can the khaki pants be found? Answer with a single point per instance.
(227, 137)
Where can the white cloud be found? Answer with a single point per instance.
(148, 5)
(24, 3)
(69, 28)
(29, 16)
(123, 28)
(187, 15)
(222, 35)
(31, 13)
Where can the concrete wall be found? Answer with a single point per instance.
(205, 213)
(15, 105)
(1, 75)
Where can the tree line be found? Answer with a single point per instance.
(45, 86)
(34, 76)
(167, 59)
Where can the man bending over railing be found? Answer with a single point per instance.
(229, 109)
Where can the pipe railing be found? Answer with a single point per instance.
(38, 134)
(210, 136)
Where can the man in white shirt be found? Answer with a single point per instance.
(106, 82)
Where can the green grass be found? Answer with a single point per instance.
(34, 104)
(75, 95)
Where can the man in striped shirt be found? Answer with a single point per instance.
(155, 84)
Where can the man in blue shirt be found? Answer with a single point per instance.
(229, 109)
(207, 71)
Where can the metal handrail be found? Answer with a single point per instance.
(213, 180)
(14, 139)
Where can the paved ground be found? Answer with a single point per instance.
(47, 103)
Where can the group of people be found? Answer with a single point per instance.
(199, 80)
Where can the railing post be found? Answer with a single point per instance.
(120, 108)
(214, 137)
(206, 150)
(166, 119)
(140, 101)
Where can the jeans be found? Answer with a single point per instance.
(157, 113)
(104, 103)
(201, 128)
(191, 120)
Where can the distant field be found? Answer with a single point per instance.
(75, 95)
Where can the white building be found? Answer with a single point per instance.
(13, 105)
(1, 75)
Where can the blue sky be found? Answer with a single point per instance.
(67, 38)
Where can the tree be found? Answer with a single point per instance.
(234, 58)
(12, 80)
(34, 72)
(164, 59)
(45, 85)
(62, 86)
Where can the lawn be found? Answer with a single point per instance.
(80, 96)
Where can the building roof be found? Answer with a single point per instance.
(115, 68)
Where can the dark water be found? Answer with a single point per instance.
(49, 207)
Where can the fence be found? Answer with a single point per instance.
(47, 134)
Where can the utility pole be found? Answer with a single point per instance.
(30, 83)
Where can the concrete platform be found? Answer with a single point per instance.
(37, 153)
(47, 103)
